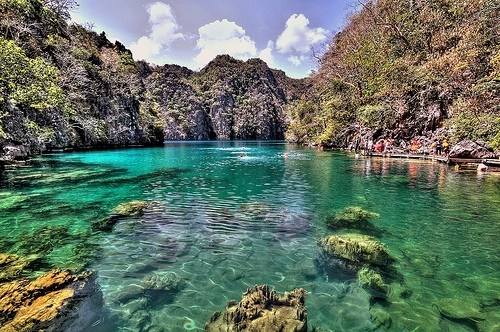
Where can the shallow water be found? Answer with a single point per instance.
(228, 215)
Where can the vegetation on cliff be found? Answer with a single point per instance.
(63, 85)
(401, 69)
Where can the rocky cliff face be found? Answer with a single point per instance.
(64, 86)
(228, 99)
(404, 70)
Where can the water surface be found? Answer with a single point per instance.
(228, 215)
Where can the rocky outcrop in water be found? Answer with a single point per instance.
(471, 149)
(357, 249)
(262, 309)
(352, 217)
(124, 210)
(55, 301)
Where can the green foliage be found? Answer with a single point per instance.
(394, 59)
(376, 116)
(467, 125)
(31, 82)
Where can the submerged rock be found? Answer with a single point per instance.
(373, 281)
(162, 281)
(352, 217)
(124, 210)
(262, 309)
(131, 209)
(43, 241)
(460, 309)
(380, 318)
(55, 301)
(12, 266)
(356, 248)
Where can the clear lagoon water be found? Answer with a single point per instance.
(229, 215)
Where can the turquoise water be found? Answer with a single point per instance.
(228, 215)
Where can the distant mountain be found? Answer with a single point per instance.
(65, 86)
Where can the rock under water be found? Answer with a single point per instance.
(262, 309)
(356, 248)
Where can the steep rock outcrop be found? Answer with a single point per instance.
(228, 99)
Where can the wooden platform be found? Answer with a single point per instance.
(451, 161)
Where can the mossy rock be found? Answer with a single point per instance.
(460, 309)
(380, 318)
(352, 217)
(356, 248)
(162, 281)
(43, 241)
(131, 209)
(124, 210)
(373, 281)
(13, 266)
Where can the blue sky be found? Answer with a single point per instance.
(192, 32)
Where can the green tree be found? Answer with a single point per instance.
(30, 82)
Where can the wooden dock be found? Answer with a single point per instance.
(451, 161)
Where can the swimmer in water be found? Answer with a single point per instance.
(286, 155)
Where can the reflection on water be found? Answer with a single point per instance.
(225, 216)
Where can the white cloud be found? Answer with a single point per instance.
(267, 54)
(223, 37)
(164, 31)
(298, 37)
(296, 60)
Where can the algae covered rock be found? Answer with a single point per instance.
(55, 301)
(380, 318)
(262, 309)
(131, 209)
(460, 309)
(352, 217)
(162, 281)
(356, 248)
(12, 266)
(43, 241)
(124, 210)
(372, 280)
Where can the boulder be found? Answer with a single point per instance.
(55, 301)
(372, 281)
(352, 217)
(471, 149)
(15, 152)
(162, 281)
(124, 210)
(262, 309)
(356, 248)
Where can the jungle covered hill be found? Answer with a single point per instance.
(399, 70)
(63, 85)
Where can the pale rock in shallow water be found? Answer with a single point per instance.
(262, 309)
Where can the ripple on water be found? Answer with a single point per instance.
(228, 216)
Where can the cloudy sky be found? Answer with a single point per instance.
(192, 32)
